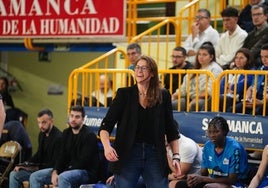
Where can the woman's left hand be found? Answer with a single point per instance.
(177, 168)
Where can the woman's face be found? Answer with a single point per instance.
(204, 57)
(142, 72)
(240, 60)
(2, 85)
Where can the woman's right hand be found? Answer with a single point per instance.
(110, 154)
(110, 180)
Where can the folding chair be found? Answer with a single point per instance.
(8, 152)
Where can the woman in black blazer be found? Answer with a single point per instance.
(143, 116)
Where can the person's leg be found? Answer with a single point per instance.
(73, 178)
(181, 184)
(40, 178)
(200, 103)
(141, 183)
(131, 170)
(175, 105)
(182, 104)
(16, 178)
(153, 175)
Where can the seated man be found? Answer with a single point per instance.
(103, 95)
(190, 159)
(78, 160)
(224, 160)
(47, 152)
(259, 36)
(202, 32)
(231, 40)
(17, 132)
(245, 19)
(178, 56)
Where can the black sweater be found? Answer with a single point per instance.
(48, 148)
(79, 151)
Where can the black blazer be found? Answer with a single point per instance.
(124, 113)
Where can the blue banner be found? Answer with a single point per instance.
(248, 130)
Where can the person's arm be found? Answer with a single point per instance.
(261, 170)
(194, 179)
(2, 115)
(109, 152)
(175, 157)
(54, 178)
(185, 167)
(249, 93)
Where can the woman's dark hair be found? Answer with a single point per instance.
(250, 59)
(154, 94)
(6, 82)
(208, 46)
(219, 122)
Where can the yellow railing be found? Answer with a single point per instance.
(206, 95)
(158, 43)
(255, 102)
(184, 17)
(83, 81)
(156, 46)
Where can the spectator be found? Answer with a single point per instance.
(16, 132)
(190, 159)
(231, 40)
(245, 18)
(202, 32)
(260, 90)
(243, 60)
(259, 35)
(133, 53)
(6, 97)
(47, 152)
(2, 115)
(143, 115)
(179, 62)
(79, 157)
(205, 60)
(103, 96)
(224, 160)
(260, 180)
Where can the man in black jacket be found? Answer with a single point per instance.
(49, 143)
(78, 160)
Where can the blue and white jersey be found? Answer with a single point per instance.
(232, 160)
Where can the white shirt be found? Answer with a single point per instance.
(101, 97)
(189, 152)
(209, 34)
(229, 44)
(214, 67)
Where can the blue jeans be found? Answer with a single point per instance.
(143, 161)
(16, 178)
(40, 178)
(72, 178)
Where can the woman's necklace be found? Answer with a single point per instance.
(142, 93)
